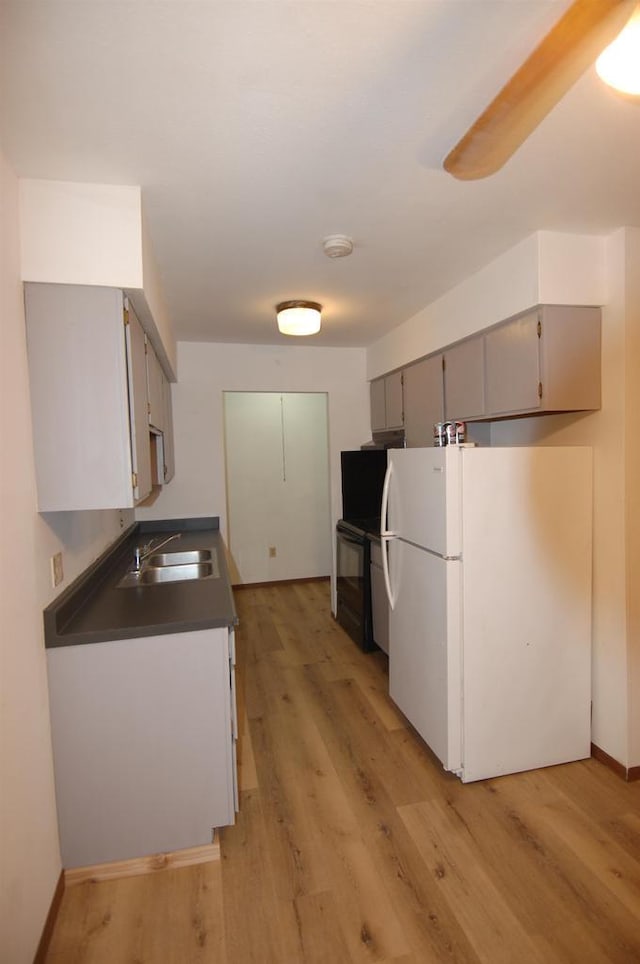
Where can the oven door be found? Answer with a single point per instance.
(353, 596)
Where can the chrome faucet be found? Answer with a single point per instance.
(140, 553)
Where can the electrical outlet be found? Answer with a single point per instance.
(57, 573)
(272, 552)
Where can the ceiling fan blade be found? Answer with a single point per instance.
(574, 43)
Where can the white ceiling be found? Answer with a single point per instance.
(257, 128)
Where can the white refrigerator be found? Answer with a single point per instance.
(487, 561)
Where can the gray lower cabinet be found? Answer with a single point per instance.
(423, 400)
(144, 734)
(379, 602)
(547, 360)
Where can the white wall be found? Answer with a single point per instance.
(205, 371)
(30, 858)
(565, 269)
(100, 225)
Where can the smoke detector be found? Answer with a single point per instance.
(337, 246)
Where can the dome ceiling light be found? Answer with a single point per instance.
(337, 246)
(298, 317)
(619, 64)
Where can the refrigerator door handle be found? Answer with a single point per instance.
(386, 535)
(384, 532)
(385, 568)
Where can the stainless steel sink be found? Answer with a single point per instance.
(180, 558)
(158, 575)
(152, 575)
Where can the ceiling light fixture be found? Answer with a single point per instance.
(619, 64)
(298, 317)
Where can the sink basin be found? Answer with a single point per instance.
(157, 575)
(151, 575)
(180, 558)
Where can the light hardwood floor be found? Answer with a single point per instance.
(352, 844)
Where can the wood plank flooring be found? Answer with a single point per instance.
(352, 844)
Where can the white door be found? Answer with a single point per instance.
(277, 464)
(424, 498)
(424, 659)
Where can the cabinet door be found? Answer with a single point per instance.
(393, 400)
(570, 357)
(138, 419)
(378, 414)
(79, 397)
(155, 388)
(464, 395)
(423, 400)
(512, 358)
(166, 788)
(169, 449)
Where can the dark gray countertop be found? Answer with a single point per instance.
(93, 609)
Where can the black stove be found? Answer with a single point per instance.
(362, 527)
(353, 578)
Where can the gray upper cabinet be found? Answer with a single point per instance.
(160, 418)
(387, 402)
(88, 384)
(378, 413)
(138, 404)
(393, 401)
(544, 360)
(547, 360)
(513, 376)
(423, 400)
(169, 452)
(464, 388)
(155, 388)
